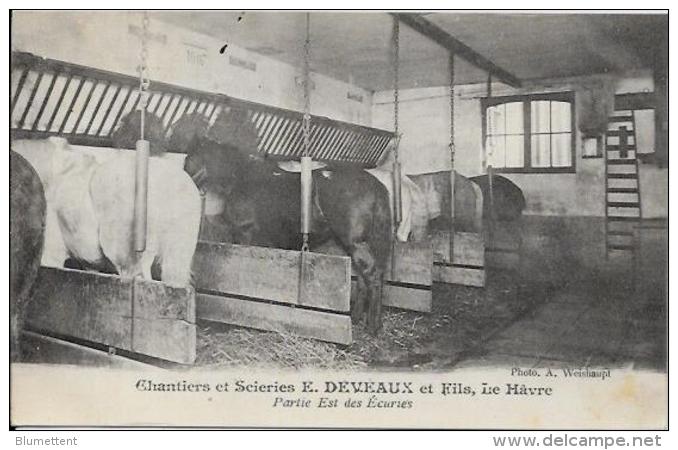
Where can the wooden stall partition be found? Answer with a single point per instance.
(409, 285)
(467, 267)
(84, 305)
(266, 288)
(92, 309)
(163, 322)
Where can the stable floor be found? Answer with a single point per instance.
(599, 323)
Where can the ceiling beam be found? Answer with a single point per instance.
(455, 46)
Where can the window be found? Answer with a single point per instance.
(531, 133)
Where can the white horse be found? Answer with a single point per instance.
(90, 208)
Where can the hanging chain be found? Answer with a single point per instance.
(395, 36)
(144, 81)
(307, 87)
(306, 124)
(489, 140)
(452, 146)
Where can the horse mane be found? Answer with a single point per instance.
(128, 132)
(234, 127)
(187, 131)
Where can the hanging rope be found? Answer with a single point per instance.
(142, 147)
(306, 173)
(452, 154)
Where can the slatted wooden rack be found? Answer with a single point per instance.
(85, 104)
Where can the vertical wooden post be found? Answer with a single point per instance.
(490, 171)
(397, 193)
(141, 194)
(306, 192)
(397, 187)
(201, 229)
(143, 148)
(306, 175)
(452, 152)
(490, 185)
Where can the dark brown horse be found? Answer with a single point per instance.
(26, 241)
(508, 199)
(262, 202)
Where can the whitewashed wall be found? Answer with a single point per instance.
(109, 40)
(424, 147)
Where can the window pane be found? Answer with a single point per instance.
(561, 117)
(540, 116)
(496, 152)
(562, 150)
(541, 151)
(590, 148)
(515, 151)
(644, 130)
(514, 118)
(495, 120)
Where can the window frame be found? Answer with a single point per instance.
(527, 100)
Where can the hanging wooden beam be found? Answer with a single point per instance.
(443, 38)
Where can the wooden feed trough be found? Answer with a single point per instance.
(467, 267)
(409, 284)
(93, 310)
(262, 288)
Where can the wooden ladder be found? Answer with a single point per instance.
(622, 185)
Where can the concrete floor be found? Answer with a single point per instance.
(611, 317)
(584, 325)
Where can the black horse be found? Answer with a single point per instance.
(262, 202)
(509, 201)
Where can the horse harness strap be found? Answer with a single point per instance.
(200, 179)
(316, 202)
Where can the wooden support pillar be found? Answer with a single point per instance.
(452, 155)
(141, 194)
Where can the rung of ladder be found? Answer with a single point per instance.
(623, 204)
(616, 148)
(623, 218)
(615, 119)
(619, 233)
(617, 132)
(619, 247)
(621, 161)
(622, 190)
(622, 175)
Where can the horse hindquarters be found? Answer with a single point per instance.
(173, 219)
(379, 241)
(178, 223)
(27, 225)
(509, 201)
(357, 211)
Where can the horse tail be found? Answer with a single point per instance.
(478, 213)
(381, 230)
